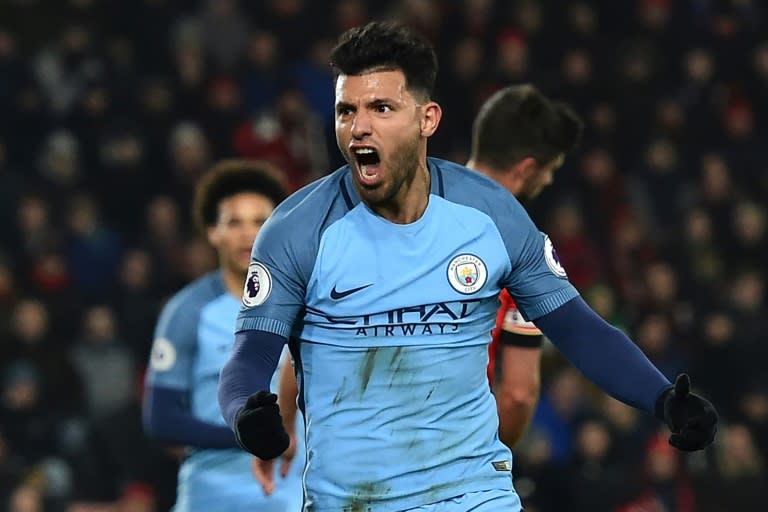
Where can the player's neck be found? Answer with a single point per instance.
(233, 281)
(480, 167)
(411, 201)
(507, 181)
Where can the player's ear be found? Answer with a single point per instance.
(525, 168)
(213, 236)
(431, 113)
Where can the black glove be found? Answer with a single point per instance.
(259, 427)
(691, 418)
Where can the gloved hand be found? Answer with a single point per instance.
(691, 418)
(259, 427)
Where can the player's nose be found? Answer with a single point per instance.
(361, 125)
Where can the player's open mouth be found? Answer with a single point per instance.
(368, 165)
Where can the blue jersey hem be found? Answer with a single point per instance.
(435, 495)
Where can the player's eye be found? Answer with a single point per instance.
(382, 108)
(344, 111)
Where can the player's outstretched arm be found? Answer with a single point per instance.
(249, 409)
(607, 357)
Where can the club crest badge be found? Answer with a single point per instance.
(467, 273)
(258, 285)
(553, 261)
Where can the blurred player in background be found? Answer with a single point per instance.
(385, 276)
(519, 139)
(193, 340)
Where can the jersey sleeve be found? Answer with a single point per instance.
(174, 346)
(275, 286)
(537, 280)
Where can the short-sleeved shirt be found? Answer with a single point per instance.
(393, 323)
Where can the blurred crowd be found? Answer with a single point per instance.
(111, 110)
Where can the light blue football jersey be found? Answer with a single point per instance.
(193, 341)
(393, 323)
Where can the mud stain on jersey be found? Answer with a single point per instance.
(369, 362)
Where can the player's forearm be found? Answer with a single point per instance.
(514, 417)
(250, 368)
(287, 393)
(518, 388)
(604, 354)
(166, 418)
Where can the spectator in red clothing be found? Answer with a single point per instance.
(290, 137)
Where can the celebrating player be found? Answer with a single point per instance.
(385, 275)
(520, 138)
(193, 341)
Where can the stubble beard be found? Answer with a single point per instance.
(402, 168)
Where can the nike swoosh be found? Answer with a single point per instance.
(336, 295)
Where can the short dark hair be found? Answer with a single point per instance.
(230, 177)
(383, 46)
(518, 122)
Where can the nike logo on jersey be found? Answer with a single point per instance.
(337, 295)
